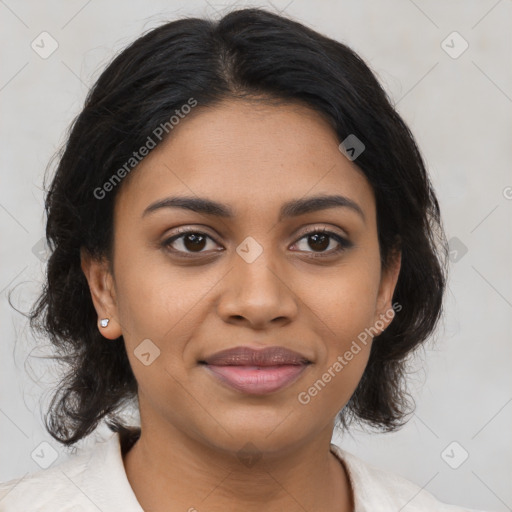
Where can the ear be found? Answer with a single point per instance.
(101, 285)
(384, 311)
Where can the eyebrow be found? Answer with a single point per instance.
(293, 208)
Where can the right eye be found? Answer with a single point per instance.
(188, 242)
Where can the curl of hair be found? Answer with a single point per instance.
(249, 53)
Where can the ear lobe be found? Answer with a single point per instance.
(101, 286)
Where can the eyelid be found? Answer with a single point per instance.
(322, 229)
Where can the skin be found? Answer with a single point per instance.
(252, 157)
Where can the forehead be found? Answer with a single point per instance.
(253, 156)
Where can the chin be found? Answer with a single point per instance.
(265, 431)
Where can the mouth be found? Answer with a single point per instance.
(256, 371)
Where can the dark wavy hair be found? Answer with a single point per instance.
(248, 53)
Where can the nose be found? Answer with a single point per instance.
(257, 294)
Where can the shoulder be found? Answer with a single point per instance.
(377, 490)
(53, 487)
(78, 484)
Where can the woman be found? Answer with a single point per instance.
(246, 246)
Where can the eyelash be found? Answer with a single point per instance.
(344, 244)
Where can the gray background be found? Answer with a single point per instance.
(459, 108)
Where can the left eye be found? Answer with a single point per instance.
(321, 241)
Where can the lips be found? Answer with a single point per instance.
(256, 371)
(246, 356)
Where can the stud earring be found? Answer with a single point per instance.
(104, 322)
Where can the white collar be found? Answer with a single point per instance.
(96, 479)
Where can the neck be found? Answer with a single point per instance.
(169, 470)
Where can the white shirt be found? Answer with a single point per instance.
(95, 480)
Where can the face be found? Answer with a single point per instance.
(276, 269)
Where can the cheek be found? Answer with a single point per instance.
(345, 299)
(344, 303)
(344, 316)
(329, 390)
(155, 299)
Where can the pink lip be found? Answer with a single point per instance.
(257, 380)
(256, 371)
(247, 356)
